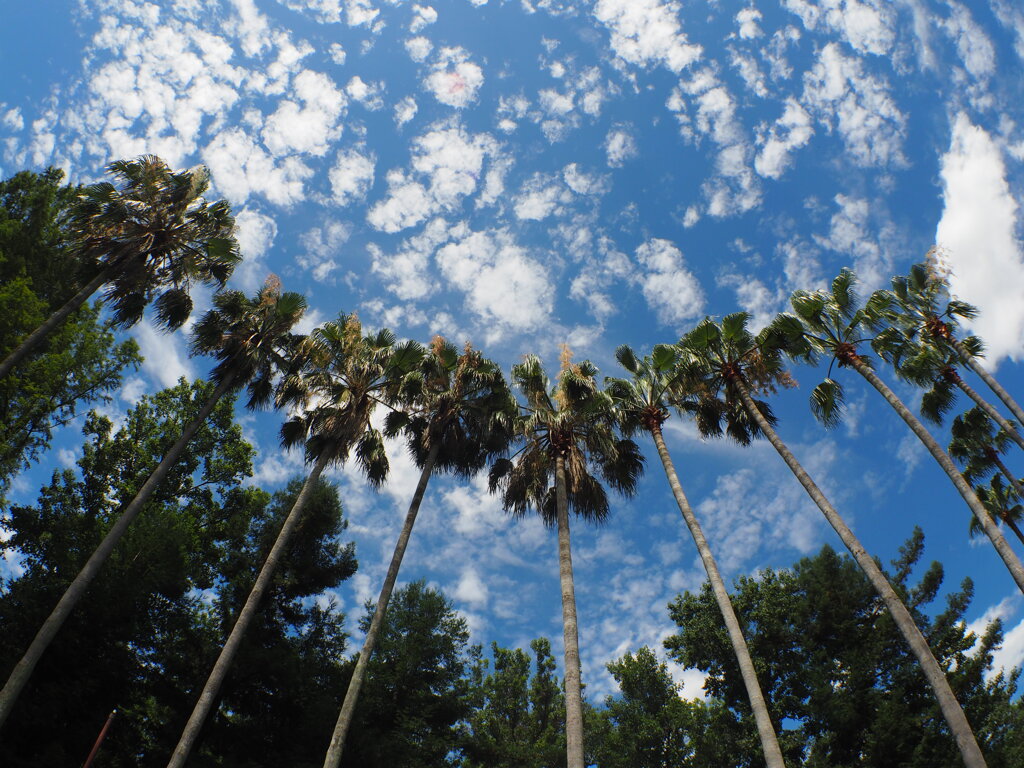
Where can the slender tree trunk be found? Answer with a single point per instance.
(987, 524)
(993, 414)
(37, 336)
(1015, 529)
(765, 729)
(334, 751)
(245, 618)
(570, 633)
(1005, 471)
(77, 589)
(951, 710)
(988, 378)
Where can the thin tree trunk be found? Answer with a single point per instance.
(37, 336)
(334, 751)
(570, 633)
(1015, 529)
(1005, 471)
(765, 729)
(245, 618)
(77, 589)
(993, 414)
(988, 378)
(951, 710)
(987, 524)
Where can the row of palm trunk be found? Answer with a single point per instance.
(459, 416)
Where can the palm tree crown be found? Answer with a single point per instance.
(156, 235)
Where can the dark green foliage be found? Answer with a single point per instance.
(833, 665)
(80, 363)
(416, 690)
(517, 719)
(114, 644)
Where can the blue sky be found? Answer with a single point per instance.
(532, 172)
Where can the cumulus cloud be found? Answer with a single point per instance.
(868, 26)
(322, 246)
(975, 49)
(240, 168)
(405, 110)
(978, 234)
(857, 104)
(367, 94)
(619, 146)
(447, 163)
(311, 127)
(854, 231)
(351, 176)
(418, 48)
(790, 132)
(255, 233)
(455, 80)
(407, 272)
(422, 16)
(505, 287)
(671, 290)
(541, 196)
(647, 33)
(747, 20)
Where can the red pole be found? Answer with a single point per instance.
(99, 739)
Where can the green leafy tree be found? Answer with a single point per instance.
(246, 337)
(147, 242)
(829, 324)
(108, 654)
(838, 669)
(978, 446)
(517, 720)
(456, 411)
(921, 306)
(569, 434)
(643, 404)
(416, 686)
(1003, 503)
(81, 363)
(727, 360)
(340, 376)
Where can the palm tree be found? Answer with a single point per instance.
(338, 377)
(147, 242)
(977, 445)
(920, 304)
(829, 323)
(247, 337)
(929, 366)
(456, 412)
(727, 361)
(999, 501)
(569, 432)
(643, 403)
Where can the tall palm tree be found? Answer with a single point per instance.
(1000, 502)
(456, 412)
(921, 305)
(338, 378)
(569, 432)
(830, 324)
(727, 361)
(937, 369)
(643, 403)
(247, 337)
(978, 446)
(147, 242)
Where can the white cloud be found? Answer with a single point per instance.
(1010, 654)
(851, 234)
(471, 588)
(790, 132)
(418, 48)
(972, 44)
(165, 357)
(747, 19)
(322, 245)
(582, 183)
(541, 196)
(646, 33)
(670, 288)
(619, 146)
(604, 269)
(858, 105)
(407, 273)
(867, 26)
(367, 94)
(351, 177)
(978, 234)
(337, 53)
(505, 287)
(455, 80)
(255, 233)
(423, 15)
(405, 110)
(754, 297)
(240, 168)
(308, 129)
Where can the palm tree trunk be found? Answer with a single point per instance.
(245, 618)
(951, 710)
(987, 524)
(989, 409)
(334, 751)
(988, 378)
(570, 632)
(1005, 471)
(77, 589)
(1015, 529)
(765, 729)
(37, 336)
